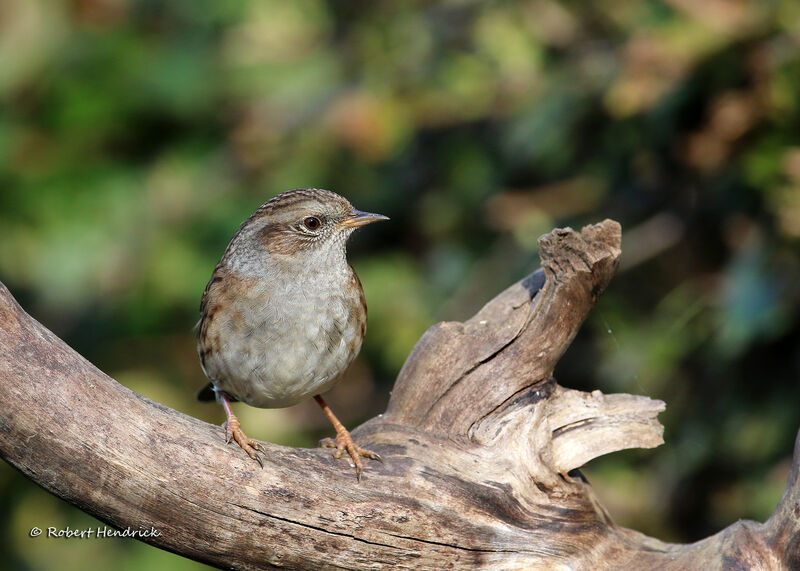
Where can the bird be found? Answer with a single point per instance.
(284, 313)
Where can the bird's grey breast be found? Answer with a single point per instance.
(289, 336)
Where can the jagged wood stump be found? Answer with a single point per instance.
(481, 448)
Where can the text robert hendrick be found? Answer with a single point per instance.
(98, 532)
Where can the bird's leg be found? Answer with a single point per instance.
(233, 430)
(343, 440)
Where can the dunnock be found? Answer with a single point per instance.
(284, 313)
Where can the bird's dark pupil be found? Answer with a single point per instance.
(312, 223)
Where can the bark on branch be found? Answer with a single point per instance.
(481, 446)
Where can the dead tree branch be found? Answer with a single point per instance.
(481, 446)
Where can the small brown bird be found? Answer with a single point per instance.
(284, 313)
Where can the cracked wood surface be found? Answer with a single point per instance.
(481, 446)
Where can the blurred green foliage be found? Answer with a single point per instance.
(135, 136)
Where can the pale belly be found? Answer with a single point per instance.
(284, 354)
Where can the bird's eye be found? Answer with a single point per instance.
(312, 222)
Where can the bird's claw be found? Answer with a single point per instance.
(233, 431)
(344, 442)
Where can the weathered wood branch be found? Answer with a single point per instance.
(481, 446)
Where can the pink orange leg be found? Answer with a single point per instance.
(343, 440)
(233, 430)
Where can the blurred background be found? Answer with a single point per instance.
(135, 136)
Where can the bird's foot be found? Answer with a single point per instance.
(233, 431)
(344, 442)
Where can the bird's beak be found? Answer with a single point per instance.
(358, 218)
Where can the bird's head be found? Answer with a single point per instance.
(298, 224)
